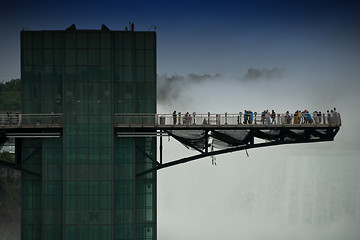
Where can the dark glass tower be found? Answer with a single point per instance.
(88, 187)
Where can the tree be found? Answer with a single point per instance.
(7, 157)
(10, 99)
(10, 95)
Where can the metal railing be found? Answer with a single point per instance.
(195, 119)
(16, 120)
(131, 119)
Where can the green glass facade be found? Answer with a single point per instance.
(88, 187)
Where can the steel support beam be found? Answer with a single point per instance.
(187, 143)
(206, 141)
(234, 149)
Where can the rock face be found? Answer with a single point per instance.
(10, 210)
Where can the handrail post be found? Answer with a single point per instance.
(206, 142)
(161, 148)
(20, 119)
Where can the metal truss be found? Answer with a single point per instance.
(272, 137)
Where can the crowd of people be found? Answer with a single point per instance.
(179, 119)
(266, 117)
(305, 117)
(12, 118)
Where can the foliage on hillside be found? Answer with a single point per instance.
(10, 95)
(10, 210)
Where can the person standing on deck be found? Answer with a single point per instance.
(174, 117)
(273, 116)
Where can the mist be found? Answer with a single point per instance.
(303, 191)
(171, 88)
(175, 88)
(263, 74)
(276, 193)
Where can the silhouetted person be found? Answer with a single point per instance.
(174, 117)
(9, 117)
(273, 116)
(52, 115)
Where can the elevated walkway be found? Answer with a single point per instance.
(30, 121)
(214, 134)
(222, 121)
(209, 134)
(226, 129)
(168, 122)
(29, 126)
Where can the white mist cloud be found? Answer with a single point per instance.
(263, 74)
(272, 195)
(173, 88)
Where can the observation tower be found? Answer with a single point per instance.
(86, 137)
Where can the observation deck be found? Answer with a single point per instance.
(201, 132)
(223, 121)
(193, 130)
(214, 134)
(169, 122)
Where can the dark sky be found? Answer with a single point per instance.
(220, 36)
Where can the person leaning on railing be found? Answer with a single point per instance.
(319, 117)
(287, 117)
(307, 117)
(315, 117)
(333, 117)
(52, 116)
(263, 117)
(246, 117)
(9, 116)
